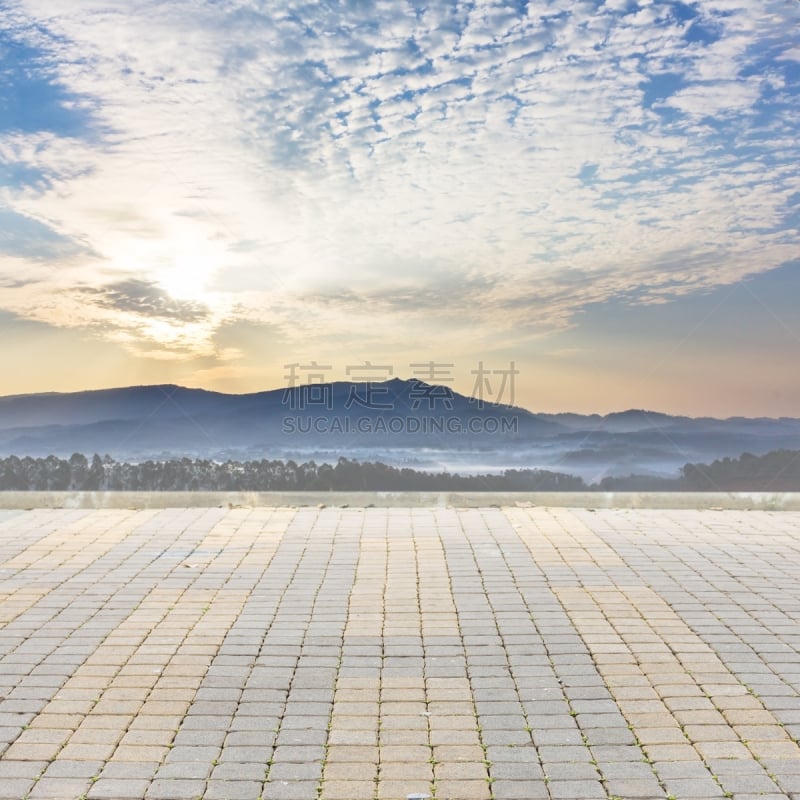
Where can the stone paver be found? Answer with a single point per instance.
(347, 653)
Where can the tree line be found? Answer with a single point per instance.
(776, 471)
(105, 474)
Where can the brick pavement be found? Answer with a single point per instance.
(350, 654)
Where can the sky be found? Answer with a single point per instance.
(605, 195)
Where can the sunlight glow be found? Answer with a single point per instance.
(190, 273)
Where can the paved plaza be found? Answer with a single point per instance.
(360, 653)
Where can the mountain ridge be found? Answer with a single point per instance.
(393, 382)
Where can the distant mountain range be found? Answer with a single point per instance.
(401, 422)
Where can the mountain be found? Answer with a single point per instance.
(142, 420)
(401, 422)
(131, 403)
(616, 422)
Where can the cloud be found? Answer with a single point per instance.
(24, 237)
(147, 300)
(366, 163)
(717, 98)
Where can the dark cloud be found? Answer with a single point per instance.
(147, 299)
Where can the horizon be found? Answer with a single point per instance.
(605, 194)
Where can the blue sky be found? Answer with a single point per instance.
(605, 193)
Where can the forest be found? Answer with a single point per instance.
(96, 474)
(775, 471)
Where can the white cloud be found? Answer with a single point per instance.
(274, 162)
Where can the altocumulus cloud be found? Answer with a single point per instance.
(146, 299)
(276, 161)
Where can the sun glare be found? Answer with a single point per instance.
(189, 275)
